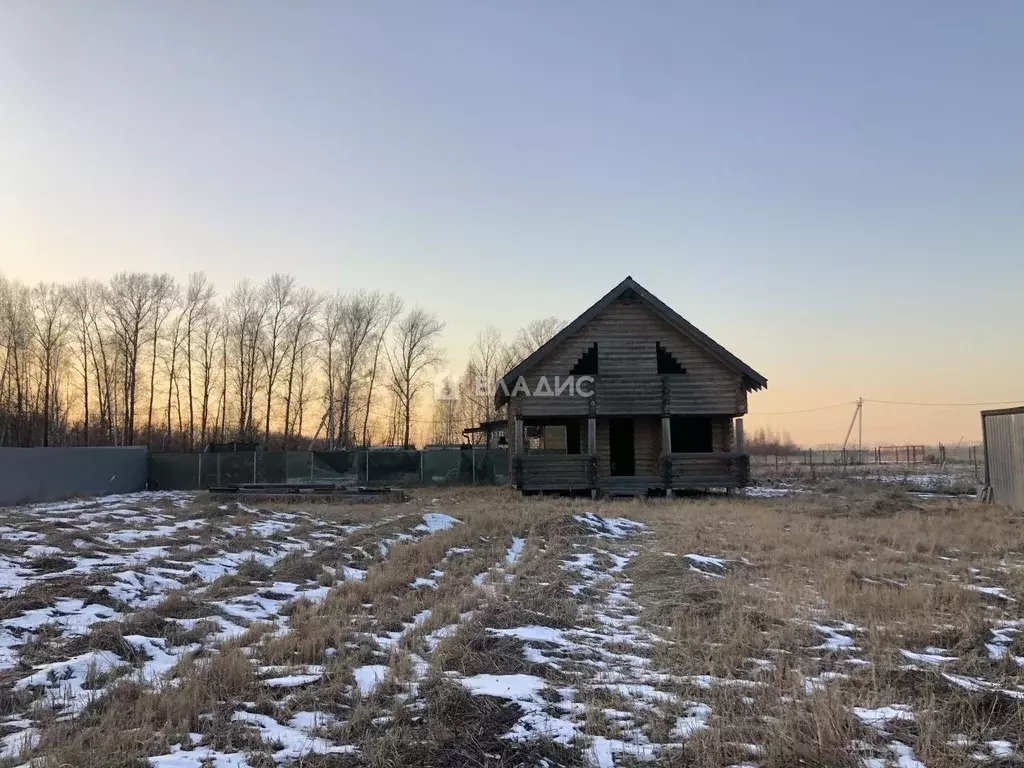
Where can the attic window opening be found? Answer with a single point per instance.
(587, 364)
(667, 363)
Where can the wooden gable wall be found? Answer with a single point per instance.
(628, 382)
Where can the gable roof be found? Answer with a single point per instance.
(751, 378)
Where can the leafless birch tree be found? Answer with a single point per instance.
(412, 354)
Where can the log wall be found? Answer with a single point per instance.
(629, 384)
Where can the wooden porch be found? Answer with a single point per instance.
(680, 471)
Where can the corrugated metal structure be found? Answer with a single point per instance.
(1003, 431)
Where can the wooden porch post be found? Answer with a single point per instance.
(592, 451)
(740, 443)
(666, 449)
(517, 449)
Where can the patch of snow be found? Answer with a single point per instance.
(880, 716)
(294, 743)
(202, 757)
(835, 640)
(532, 633)
(436, 521)
(514, 551)
(999, 592)
(1000, 748)
(310, 721)
(292, 681)
(975, 684)
(714, 562)
(905, 757)
(610, 527)
(927, 658)
(14, 744)
(369, 677)
(41, 550)
(433, 640)
(696, 719)
(64, 681)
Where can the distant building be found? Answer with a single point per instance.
(629, 397)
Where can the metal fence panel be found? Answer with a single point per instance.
(490, 467)
(174, 471)
(394, 468)
(400, 469)
(447, 467)
(50, 474)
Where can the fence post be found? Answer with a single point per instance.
(254, 467)
(311, 466)
(472, 457)
(367, 465)
(218, 468)
(199, 481)
(421, 467)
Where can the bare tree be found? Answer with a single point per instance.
(102, 348)
(363, 311)
(16, 322)
(302, 395)
(447, 417)
(247, 311)
(165, 297)
(199, 298)
(412, 354)
(531, 336)
(130, 308)
(487, 362)
(51, 322)
(330, 324)
(82, 296)
(301, 335)
(388, 311)
(171, 362)
(210, 340)
(279, 294)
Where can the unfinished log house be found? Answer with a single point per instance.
(626, 399)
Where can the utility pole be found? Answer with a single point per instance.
(857, 418)
(860, 429)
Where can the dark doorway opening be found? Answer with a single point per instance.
(572, 437)
(621, 448)
(692, 434)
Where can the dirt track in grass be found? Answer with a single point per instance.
(863, 626)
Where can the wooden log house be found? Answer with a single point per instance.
(628, 398)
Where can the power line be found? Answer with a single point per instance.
(890, 402)
(945, 405)
(807, 410)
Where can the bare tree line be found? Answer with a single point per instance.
(143, 360)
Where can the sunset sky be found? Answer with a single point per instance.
(833, 191)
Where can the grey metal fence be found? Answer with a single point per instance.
(51, 474)
(193, 471)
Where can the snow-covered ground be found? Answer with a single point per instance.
(343, 633)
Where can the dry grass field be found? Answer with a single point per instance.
(847, 626)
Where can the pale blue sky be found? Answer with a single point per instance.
(835, 191)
